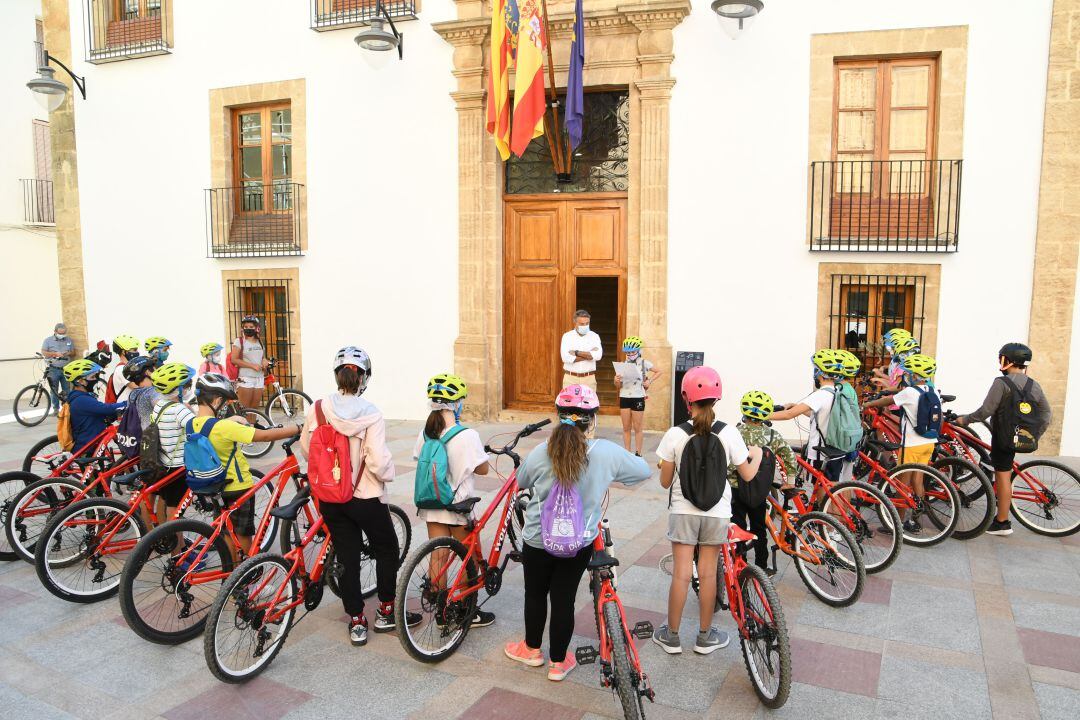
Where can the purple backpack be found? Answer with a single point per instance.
(129, 432)
(562, 521)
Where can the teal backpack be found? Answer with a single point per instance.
(845, 424)
(433, 490)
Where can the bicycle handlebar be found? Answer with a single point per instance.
(508, 449)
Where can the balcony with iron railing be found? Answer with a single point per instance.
(255, 220)
(38, 202)
(885, 205)
(336, 14)
(124, 29)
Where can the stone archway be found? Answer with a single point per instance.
(628, 46)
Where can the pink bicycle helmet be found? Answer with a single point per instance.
(577, 398)
(701, 383)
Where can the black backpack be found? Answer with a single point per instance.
(150, 447)
(702, 468)
(1015, 425)
(753, 492)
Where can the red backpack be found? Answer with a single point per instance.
(110, 389)
(329, 462)
(231, 371)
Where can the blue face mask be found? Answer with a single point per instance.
(458, 406)
(162, 356)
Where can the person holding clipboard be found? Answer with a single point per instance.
(633, 378)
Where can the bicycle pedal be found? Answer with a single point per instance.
(643, 630)
(586, 655)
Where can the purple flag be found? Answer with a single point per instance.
(575, 91)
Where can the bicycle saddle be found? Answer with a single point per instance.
(882, 444)
(129, 477)
(830, 452)
(214, 489)
(602, 559)
(290, 510)
(88, 460)
(948, 398)
(737, 534)
(798, 449)
(463, 507)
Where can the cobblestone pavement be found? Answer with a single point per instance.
(978, 629)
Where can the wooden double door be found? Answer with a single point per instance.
(560, 255)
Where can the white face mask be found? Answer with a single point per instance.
(216, 358)
(60, 337)
(582, 329)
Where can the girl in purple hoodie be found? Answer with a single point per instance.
(373, 467)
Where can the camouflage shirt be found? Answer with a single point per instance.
(764, 436)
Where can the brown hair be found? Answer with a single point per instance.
(348, 379)
(705, 417)
(435, 425)
(568, 451)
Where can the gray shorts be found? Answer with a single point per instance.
(697, 530)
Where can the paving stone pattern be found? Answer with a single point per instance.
(987, 628)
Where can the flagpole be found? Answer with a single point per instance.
(556, 147)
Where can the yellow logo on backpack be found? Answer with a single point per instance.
(1024, 408)
(63, 428)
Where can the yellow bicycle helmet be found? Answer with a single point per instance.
(79, 369)
(156, 343)
(757, 405)
(895, 334)
(209, 349)
(850, 363)
(827, 361)
(445, 387)
(126, 343)
(922, 366)
(905, 344)
(171, 376)
(632, 344)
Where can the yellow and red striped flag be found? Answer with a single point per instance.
(529, 101)
(504, 28)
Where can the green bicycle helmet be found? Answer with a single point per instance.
(850, 363)
(827, 362)
(632, 344)
(895, 334)
(922, 366)
(209, 349)
(125, 343)
(757, 405)
(156, 343)
(445, 387)
(171, 376)
(905, 344)
(77, 369)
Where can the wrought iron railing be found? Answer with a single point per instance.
(334, 14)
(255, 220)
(38, 202)
(885, 205)
(122, 29)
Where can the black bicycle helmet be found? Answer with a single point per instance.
(1018, 354)
(138, 368)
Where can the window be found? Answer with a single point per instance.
(269, 300)
(121, 29)
(42, 151)
(864, 307)
(262, 157)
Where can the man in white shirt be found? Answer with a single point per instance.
(580, 349)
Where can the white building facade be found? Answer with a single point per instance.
(840, 168)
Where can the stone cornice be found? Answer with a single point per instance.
(463, 32)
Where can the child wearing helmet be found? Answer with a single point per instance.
(757, 407)
(632, 392)
(157, 347)
(576, 462)
(465, 459)
(1011, 391)
(211, 355)
(899, 343)
(692, 529)
(828, 373)
(249, 356)
(366, 513)
(144, 396)
(89, 416)
(171, 417)
(126, 348)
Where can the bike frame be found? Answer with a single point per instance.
(99, 481)
(604, 595)
(733, 562)
(788, 527)
(296, 555)
(100, 444)
(474, 547)
(1036, 492)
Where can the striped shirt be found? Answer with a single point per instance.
(172, 422)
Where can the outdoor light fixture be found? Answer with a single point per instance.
(49, 91)
(377, 38)
(735, 15)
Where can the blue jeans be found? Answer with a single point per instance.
(57, 380)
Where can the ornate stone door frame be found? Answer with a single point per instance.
(628, 46)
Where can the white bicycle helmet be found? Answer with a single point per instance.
(352, 355)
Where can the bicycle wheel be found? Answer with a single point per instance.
(85, 570)
(45, 455)
(159, 597)
(31, 510)
(403, 530)
(871, 518)
(517, 518)
(239, 642)
(290, 405)
(1053, 510)
(626, 679)
(259, 421)
(936, 519)
(32, 405)
(443, 624)
(765, 649)
(838, 577)
(11, 485)
(976, 494)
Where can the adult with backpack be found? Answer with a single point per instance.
(449, 457)
(1020, 413)
(569, 475)
(246, 362)
(85, 416)
(349, 465)
(694, 458)
(748, 499)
